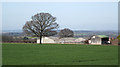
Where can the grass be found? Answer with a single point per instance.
(51, 54)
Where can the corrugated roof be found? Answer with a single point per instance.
(102, 36)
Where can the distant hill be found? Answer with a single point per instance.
(11, 31)
(77, 33)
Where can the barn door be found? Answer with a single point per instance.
(105, 40)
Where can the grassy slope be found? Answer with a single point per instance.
(35, 54)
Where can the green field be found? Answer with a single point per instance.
(56, 54)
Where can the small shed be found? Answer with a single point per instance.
(99, 39)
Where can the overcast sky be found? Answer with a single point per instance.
(73, 15)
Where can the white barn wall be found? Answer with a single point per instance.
(46, 40)
(96, 42)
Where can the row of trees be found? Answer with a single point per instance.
(8, 38)
(44, 24)
(15, 39)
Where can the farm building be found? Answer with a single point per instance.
(99, 39)
(48, 40)
(68, 40)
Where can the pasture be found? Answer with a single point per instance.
(59, 54)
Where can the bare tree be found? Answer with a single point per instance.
(41, 25)
(66, 33)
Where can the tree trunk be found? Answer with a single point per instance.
(40, 39)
